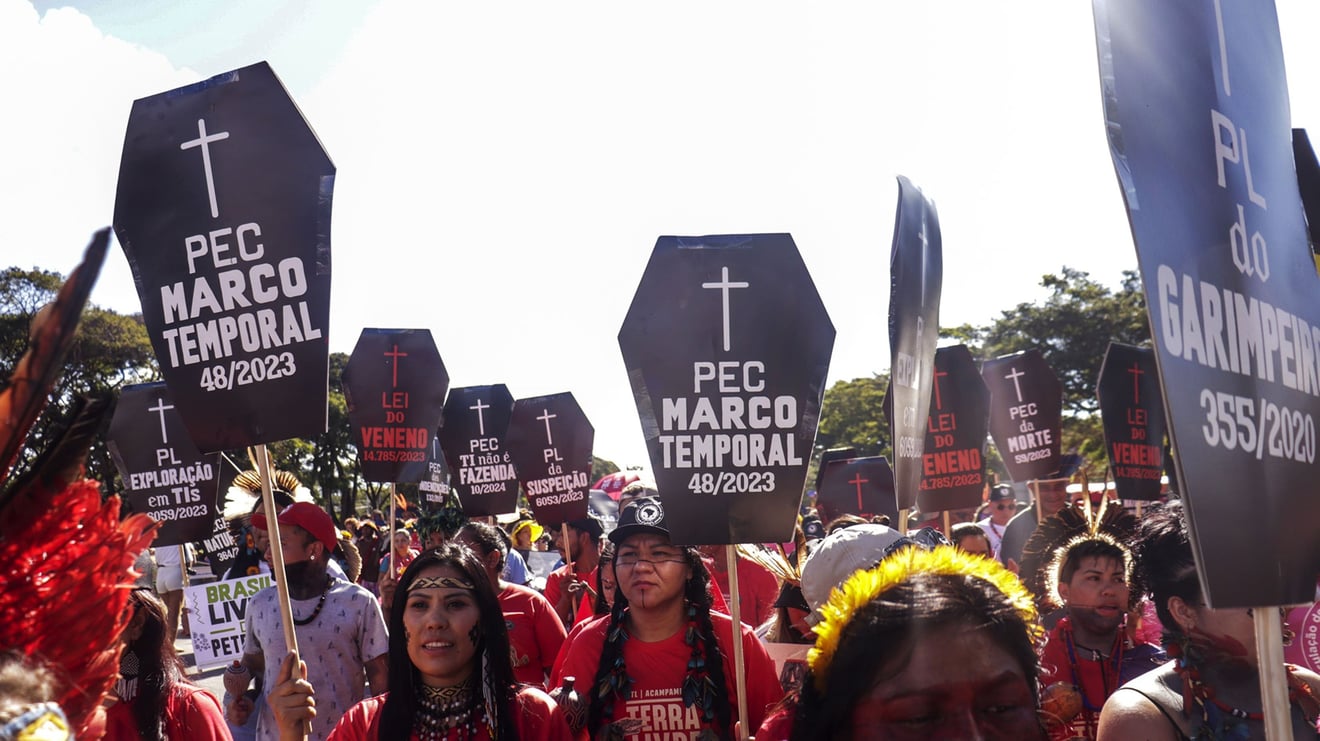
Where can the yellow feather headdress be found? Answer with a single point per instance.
(864, 586)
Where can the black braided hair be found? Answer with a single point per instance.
(705, 668)
(611, 680)
(699, 601)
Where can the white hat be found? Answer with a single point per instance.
(835, 558)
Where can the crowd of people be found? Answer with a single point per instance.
(1088, 626)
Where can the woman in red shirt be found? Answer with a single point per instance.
(154, 699)
(450, 676)
(660, 664)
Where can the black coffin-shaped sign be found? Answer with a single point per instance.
(476, 421)
(395, 385)
(550, 442)
(953, 464)
(1196, 102)
(223, 210)
(1132, 412)
(166, 475)
(727, 346)
(220, 547)
(1026, 413)
(433, 490)
(828, 456)
(916, 270)
(857, 486)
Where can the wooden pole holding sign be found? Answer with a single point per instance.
(739, 665)
(276, 554)
(902, 521)
(394, 559)
(277, 560)
(948, 525)
(1273, 675)
(572, 575)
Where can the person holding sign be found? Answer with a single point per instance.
(341, 633)
(569, 592)
(662, 662)
(1212, 688)
(535, 632)
(449, 667)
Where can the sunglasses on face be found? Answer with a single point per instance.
(1006, 505)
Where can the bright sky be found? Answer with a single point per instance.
(504, 169)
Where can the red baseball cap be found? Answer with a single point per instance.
(307, 516)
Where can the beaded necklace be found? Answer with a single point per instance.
(698, 688)
(1090, 712)
(1115, 661)
(1218, 718)
(321, 603)
(450, 712)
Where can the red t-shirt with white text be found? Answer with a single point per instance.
(654, 710)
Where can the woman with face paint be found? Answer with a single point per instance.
(1211, 689)
(928, 645)
(449, 667)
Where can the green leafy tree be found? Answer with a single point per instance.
(1072, 328)
(852, 416)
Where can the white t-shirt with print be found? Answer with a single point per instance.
(348, 632)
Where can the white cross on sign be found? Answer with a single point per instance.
(160, 407)
(204, 141)
(547, 416)
(481, 421)
(1015, 375)
(724, 285)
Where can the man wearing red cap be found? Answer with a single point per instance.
(341, 633)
